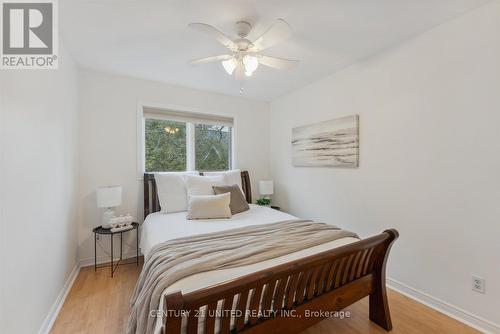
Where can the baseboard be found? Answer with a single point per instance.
(105, 259)
(56, 307)
(452, 311)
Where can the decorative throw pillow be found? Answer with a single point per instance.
(238, 202)
(202, 185)
(230, 177)
(172, 191)
(209, 206)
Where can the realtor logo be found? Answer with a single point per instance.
(29, 34)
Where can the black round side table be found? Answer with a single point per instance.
(105, 231)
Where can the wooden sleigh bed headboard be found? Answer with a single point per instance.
(152, 203)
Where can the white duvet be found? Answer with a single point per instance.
(160, 227)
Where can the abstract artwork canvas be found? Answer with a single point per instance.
(333, 143)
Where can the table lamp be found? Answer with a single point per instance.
(108, 197)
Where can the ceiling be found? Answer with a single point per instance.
(149, 39)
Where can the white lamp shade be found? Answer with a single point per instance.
(266, 187)
(108, 197)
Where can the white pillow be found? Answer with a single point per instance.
(202, 185)
(172, 191)
(230, 177)
(209, 206)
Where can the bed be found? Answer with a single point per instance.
(326, 277)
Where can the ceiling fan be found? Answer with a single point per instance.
(245, 55)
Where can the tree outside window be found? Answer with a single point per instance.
(167, 142)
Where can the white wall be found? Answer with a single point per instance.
(429, 157)
(38, 180)
(108, 144)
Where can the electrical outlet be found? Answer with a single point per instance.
(478, 284)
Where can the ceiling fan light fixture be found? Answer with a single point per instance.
(244, 57)
(251, 63)
(229, 65)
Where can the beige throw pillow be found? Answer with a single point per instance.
(238, 202)
(209, 206)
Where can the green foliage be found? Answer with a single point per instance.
(212, 148)
(165, 145)
(264, 201)
(165, 151)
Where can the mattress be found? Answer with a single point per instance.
(160, 227)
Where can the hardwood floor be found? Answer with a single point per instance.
(98, 303)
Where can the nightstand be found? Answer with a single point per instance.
(103, 231)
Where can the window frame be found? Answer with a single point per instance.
(190, 134)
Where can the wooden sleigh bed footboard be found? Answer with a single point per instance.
(286, 298)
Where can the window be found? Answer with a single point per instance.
(175, 141)
(212, 147)
(165, 145)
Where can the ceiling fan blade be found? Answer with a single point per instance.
(215, 33)
(278, 63)
(210, 59)
(278, 32)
